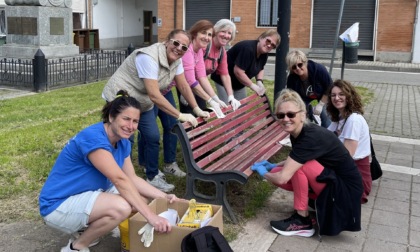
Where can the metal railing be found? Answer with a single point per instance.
(91, 66)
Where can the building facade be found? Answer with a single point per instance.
(386, 27)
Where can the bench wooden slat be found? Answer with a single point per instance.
(187, 126)
(215, 131)
(247, 152)
(232, 131)
(214, 122)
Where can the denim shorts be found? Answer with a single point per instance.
(73, 214)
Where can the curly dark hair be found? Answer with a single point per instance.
(353, 100)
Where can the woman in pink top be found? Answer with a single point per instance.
(195, 72)
(215, 59)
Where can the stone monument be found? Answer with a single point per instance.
(39, 24)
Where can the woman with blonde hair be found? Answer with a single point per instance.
(334, 177)
(311, 80)
(215, 60)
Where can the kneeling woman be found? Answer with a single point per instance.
(336, 182)
(80, 194)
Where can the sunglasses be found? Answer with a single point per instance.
(176, 43)
(288, 114)
(300, 65)
(268, 42)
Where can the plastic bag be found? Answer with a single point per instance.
(351, 34)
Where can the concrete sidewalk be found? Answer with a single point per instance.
(390, 220)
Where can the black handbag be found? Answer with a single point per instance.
(375, 167)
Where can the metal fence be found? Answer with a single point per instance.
(91, 66)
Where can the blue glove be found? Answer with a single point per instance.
(269, 166)
(260, 169)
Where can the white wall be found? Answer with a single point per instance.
(121, 22)
(416, 39)
(78, 6)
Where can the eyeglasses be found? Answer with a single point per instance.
(300, 65)
(176, 43)
(337, 95)
(268, 42)
(288, 114)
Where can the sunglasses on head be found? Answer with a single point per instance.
(176, 43)
(270, 43)
(288, 114)
(300, 65)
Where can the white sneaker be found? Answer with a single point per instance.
(161, 184)
(173, 169)
(68, 249)
(79, 233)
(160, 174)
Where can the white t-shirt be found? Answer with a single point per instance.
(148, 68)
(355, 128)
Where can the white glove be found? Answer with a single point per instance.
(318, 108)
(235, 103)
(221, 103)
(261, 85)
(183, 101)
(216, 108)
(188, 118)
(200, 113)
(147, 234)
(260, 91)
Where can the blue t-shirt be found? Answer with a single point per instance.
(73, 173)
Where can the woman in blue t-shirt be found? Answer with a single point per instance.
(93, 185)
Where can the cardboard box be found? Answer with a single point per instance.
(170, 241)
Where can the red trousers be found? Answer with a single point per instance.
(364, 169)
(300, 182)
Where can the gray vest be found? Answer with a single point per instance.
(127, 78)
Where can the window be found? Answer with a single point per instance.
(3, 31)
(267, 12)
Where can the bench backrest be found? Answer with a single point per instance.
(235, 142)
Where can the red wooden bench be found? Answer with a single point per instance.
(221, 150)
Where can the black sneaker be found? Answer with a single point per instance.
(294, 225)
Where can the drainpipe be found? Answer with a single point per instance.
(86, 15)
(175, 3)
(416, 37)
(375, 33)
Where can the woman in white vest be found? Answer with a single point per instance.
(146, 74)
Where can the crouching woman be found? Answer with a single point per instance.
(336, 181)
(79, 193)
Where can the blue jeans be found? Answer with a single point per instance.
(325, 119)
(149, 138)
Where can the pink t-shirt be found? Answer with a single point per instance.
(193, 63)
(212, 64)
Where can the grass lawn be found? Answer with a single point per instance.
(35, 128)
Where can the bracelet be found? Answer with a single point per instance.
(260, 80)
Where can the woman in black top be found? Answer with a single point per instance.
(336, 182)
(246, 60)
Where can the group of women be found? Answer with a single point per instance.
(92, 186)
(328, 164)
